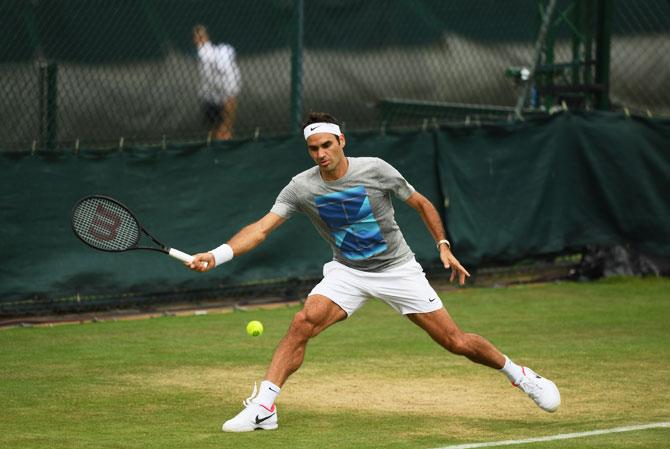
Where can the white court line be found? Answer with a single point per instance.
(561, 436)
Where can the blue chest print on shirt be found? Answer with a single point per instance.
(348, 215)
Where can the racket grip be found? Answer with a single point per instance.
(181, 256)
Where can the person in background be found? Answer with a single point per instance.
(220, 83)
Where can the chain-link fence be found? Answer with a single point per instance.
(92, 73)
(640, 57)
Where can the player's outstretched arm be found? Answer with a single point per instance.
(433, 222)
(244, 241)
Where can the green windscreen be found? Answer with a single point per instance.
(507, 192)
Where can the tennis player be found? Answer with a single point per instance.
(349, 202)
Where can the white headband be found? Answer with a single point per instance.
(321, 127)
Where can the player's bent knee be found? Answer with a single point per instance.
(301, 326)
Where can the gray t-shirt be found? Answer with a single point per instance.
(354, 214)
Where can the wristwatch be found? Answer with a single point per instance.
(443, 242)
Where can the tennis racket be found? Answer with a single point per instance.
(105, 224)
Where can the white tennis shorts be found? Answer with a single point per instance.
(404, 288)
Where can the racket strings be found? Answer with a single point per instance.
(105, 225)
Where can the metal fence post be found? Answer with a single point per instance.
(48, 84)
(296, 64)
(604, 40)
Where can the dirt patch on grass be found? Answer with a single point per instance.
(452, 398)
(488, 395)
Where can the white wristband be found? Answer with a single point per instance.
(222, 254)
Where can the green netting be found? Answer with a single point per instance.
(98, 74)
(508, 192)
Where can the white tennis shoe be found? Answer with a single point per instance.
(254, 416)
(543, 391)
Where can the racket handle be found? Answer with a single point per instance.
(181, 256)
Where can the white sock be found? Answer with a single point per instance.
(267, 394)
(513, 371)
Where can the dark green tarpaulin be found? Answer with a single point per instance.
(548, 185)
(512, 191)
(191, 198)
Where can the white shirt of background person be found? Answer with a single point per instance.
(219, 73)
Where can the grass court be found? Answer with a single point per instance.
(372, 381)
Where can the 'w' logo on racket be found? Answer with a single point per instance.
(105, 224)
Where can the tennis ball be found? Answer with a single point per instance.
(254, 328)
